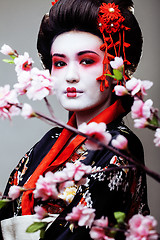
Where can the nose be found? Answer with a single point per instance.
(72, 74)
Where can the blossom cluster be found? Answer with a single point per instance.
(139, 226)
(98, 132)
(35, 83)
(8, 102)
(142, 227)
(142, 112)
(52, 184)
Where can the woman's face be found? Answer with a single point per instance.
(76, 63)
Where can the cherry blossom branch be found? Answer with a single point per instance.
(58, 181)
(49, 107)
(151, 173)
(48, 187)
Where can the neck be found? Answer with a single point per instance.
(87, 115)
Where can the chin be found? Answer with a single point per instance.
(80, 108)
(75, 107)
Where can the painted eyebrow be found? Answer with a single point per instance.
(58, 55)
(87, 51)
(79, 54)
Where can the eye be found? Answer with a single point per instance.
(59, 64)
(87, 61)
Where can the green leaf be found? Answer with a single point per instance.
(119, 216)
(154, 121)
(13, 56)
(36, 226)
(8, 61)
(118, 74)
(4, 202)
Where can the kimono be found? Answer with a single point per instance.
(122, 189)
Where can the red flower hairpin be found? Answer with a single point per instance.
(110, 21)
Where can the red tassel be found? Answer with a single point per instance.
(101, 87)
(106, 83)
(120, 39)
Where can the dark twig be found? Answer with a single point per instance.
(151, 173)
(49, 107)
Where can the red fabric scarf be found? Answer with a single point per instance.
(50, 162)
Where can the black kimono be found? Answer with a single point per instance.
(107, 192)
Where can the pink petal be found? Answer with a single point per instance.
(14, 192)
(120, 142)
(120, 90)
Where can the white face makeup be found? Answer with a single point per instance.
(76, 63)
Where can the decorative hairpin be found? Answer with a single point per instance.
(54, 2)
(110, 21)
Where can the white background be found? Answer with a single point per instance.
(19, 24)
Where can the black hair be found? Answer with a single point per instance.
(81, 15)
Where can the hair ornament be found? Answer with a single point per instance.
(54, 2)
(110, 21)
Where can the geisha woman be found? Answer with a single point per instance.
(76, 42)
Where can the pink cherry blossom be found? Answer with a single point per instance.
(147, 107)
(27, 111)
(14, 192)
(62, 179)
(82, 216)
(7, 50)
(136, 109)
(120, 90)
(157, 137)
(142, 227)
(146, 84)
(96, 130)
(63, 185)
(120, 142)
(60, 176)
(117, 63)
(40, 212)
(136, 85)
(8, 111)
(98, 230)
(140, 123)
(72, 172)
(46, 187)
(7, 96)
(7, 99)
(23, 63)
(141, 109)
(24, 82)
(41, 84)
(77, 171)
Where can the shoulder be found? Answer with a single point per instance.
(48, 140)
(51, 135)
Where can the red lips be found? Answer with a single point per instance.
(71, 89)
(71, 92)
